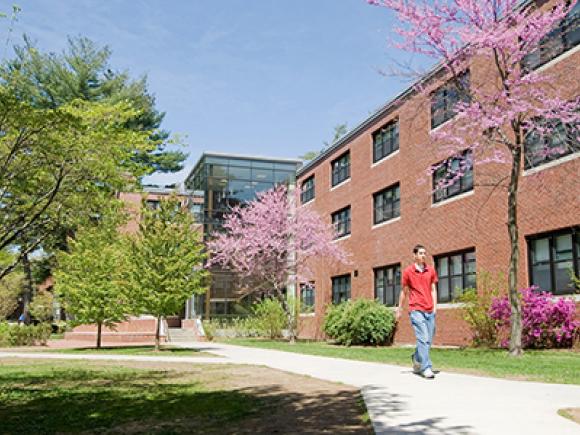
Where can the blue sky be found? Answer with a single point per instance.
(265, 77)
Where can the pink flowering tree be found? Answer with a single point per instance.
(494, 117)
(270, 244)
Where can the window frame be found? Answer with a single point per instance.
(575, 234)
(152, 204)
(347, 288)
(442, 194)
(307, 305)
(447, 99)
(395, 204)
(391, 288)
(387, 147)
(571, 143)
(308, 194)
(340, 169)
(464, 282)
(558, 36)
(340, 220)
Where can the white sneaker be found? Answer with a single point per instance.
(428, 373)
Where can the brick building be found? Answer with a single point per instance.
(372, 185)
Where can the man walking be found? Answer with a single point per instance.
(419, 286)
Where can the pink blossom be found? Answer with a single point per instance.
(269, 241)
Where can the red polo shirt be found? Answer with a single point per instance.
(419, 284)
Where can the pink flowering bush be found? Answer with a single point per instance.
(546, 322)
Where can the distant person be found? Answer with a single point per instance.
(22, 319)
(420, 287)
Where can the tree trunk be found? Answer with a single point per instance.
(99, 328)
(28, 288)
(158, 333)
(515, 345)
(291, 284)
(290, 316)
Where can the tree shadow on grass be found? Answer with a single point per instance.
(79, 400)
(43, 399)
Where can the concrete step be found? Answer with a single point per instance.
(180, 335)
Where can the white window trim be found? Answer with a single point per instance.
(452, 199)
(433, 130)
(551, 164)
(382, 224)
(341, 238)
(310, 201)
(557, 59)
(385, 158)
(342, 183)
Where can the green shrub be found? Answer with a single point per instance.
(4, 334)
(209, 329)
(24, 335)
(269, 318)
(476, 306)
(362, 321)
(41, 306)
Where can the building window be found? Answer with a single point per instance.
(340, 289)
(340, 169)
(444, 99)
(341, 222)
(552, 257)
(152, 204)
(456, 273)
(558, 41)
(387, 204)
(386, 140)
(388, 284)
(307, 297)
(561, 140)
(307, 190)
(453, 176)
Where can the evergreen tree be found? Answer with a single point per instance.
(83, 71)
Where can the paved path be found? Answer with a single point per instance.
(400, 402)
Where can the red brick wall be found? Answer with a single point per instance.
(548, 200)
(133, 330)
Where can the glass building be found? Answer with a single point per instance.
(224, 181)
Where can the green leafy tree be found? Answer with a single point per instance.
(339, 131)
(60, 168)
(167, 256)
(11, 286)
(90, 278)
(83, 71)
(10, 289)
(41, 306)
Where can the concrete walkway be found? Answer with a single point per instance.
(400, 402)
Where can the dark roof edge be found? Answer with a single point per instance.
(239, 156)
(383, 111)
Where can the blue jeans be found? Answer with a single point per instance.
(424, 326)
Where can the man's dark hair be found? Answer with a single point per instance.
(417, 247)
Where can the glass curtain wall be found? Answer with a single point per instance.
(227, 182)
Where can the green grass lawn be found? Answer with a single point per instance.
(557, 366)
(135, 350)
(72, 397)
